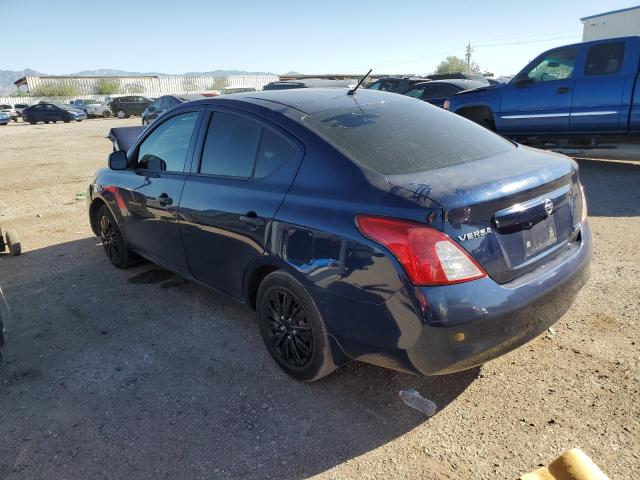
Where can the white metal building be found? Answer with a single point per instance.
(617, 23)
(153, 86)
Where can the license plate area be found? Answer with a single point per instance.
(540, 236)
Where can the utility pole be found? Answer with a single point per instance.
(468, 55)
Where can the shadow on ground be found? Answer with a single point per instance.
(140, 374)
(612, 188)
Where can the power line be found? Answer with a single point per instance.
(530, 39)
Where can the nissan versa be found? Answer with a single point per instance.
(366, 226)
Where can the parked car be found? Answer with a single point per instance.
(52, 112)
(581, 89)
(164, 103)
(93, 108)
(19, 107)
(478, 77)
(124, 107)
(308, 83)
(368, 226)
(232, 90)
(437, 92)
(4, 118)
(395, 84)
(8, 109)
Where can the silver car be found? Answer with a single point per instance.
(93, 108)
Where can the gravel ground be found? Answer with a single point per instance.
(140, 374)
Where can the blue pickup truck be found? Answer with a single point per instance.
(585, 89)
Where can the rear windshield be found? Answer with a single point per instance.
(405, 136)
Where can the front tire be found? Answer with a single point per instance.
(121, 114)
(292, 328)
(114, 244)
(106, 114)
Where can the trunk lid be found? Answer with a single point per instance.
(512, 212)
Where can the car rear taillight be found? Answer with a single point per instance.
(427, 255)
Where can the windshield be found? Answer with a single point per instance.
(408, 136)
(4, 107)
(91, 102)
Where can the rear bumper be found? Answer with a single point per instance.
(468, 326)
(444, 329)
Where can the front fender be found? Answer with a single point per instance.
(488, 99)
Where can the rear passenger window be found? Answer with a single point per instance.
(231, 146)
(604, 59)
(274, 152)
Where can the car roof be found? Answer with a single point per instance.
(307, 100)
(462, 83)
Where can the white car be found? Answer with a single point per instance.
(9, 110)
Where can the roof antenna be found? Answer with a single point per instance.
(351, 92)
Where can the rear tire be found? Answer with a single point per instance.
(121, 114)
(114, 244)
(106, 114)
(13, 243)
(32, 122)
(292, 328)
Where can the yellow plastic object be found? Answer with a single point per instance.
(571, 465)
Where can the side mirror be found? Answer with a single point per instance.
(118, 160)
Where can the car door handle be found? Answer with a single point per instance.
(165, 200)
(563, 90)
(252, 220)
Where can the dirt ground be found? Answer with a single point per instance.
(140, 374)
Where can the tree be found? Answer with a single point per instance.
(456, 65)
(55, 89)
(107, 86)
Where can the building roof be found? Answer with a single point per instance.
(609, 13)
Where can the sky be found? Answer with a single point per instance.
(278, 36)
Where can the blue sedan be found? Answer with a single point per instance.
(5, 118)
(365, 227)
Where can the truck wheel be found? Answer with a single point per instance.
(106, 114)
(13, 243)
(121, 114)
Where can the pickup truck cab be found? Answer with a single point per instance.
(581, 89)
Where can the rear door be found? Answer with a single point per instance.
(151, 191)
(538, 99)
(599, 94)
(242, 171)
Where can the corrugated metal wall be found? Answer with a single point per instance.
(613, 25)
(86, 87)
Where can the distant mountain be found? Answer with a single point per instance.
(7, 77)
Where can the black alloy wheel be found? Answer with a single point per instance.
(112, 240)
(289, 329)
(292, 328)
(109, 239)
